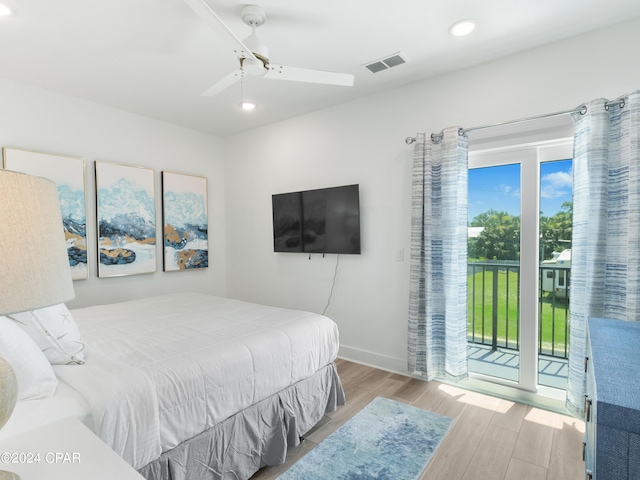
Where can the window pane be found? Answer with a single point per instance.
(494, 271)
(556, 220)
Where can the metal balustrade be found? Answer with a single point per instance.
(494, 306)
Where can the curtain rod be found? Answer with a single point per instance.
(581, 110)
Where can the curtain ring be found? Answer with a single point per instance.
(621, 103)
(583, 110)
(436, 137)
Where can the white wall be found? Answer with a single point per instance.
(36, 119)
(357, 142)
(363, 142)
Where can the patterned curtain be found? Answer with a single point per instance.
(605, 269)
(437, 343)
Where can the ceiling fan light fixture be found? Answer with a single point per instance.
(253, 67)
(4, 10)
(256, 45)
(462, 28)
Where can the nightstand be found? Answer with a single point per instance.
(63, 450)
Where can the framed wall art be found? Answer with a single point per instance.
(185, 222)
(69, 175)
(126, 219)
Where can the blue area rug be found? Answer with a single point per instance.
(386, 440)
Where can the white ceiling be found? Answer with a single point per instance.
(155, 57)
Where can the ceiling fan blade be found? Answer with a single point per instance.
(280, 72)
(215, 22)
(226, 82)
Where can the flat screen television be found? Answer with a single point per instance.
(326, 220)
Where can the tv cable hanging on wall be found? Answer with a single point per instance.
(333, 284)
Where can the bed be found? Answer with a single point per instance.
(191, 386)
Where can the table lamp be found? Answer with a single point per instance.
(34, 265)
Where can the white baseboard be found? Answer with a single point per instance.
(376, 360)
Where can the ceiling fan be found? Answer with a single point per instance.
(253, 55)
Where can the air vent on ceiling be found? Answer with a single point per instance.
(386, 63)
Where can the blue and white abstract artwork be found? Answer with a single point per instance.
(126, 219)
(386, 440)
(185, 222)
(69, 175)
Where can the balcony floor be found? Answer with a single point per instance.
(505, 364)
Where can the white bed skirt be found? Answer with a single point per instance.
(257, 436)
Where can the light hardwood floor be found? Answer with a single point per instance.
(491, 438)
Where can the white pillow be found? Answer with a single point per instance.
(55, 331)
(36, 378)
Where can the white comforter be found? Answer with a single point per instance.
(160, 370)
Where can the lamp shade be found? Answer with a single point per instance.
(34, 265)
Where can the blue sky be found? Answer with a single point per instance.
(498, 188)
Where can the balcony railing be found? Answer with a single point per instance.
(494, 306)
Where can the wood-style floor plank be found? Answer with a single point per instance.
(566, 462)
(491, 458)
(453, 456)
(491, 438)
(521, 470)
(509, 415)
(535, 437)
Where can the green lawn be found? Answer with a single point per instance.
(553, 333)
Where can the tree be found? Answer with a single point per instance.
(556, 230)
(500, 239)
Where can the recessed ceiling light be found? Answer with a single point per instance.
(248, 105)
(4, 10)
(462, 28)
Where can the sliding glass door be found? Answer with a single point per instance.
(518, 274)
(494, 271)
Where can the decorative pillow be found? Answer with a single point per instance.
(55, 331)
(36, 378)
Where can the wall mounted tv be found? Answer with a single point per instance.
(326, 220)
